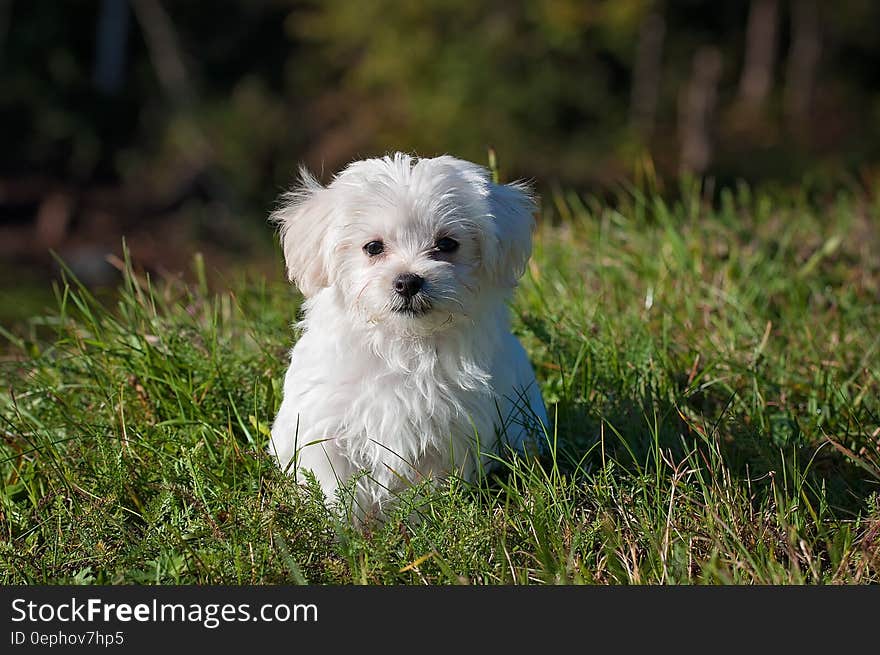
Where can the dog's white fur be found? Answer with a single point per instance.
(402, 391)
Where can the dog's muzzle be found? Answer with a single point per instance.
(410, 296)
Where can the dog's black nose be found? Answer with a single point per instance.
(408, 284)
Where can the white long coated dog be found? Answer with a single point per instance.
(406, 367)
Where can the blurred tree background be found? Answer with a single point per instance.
(177, 123)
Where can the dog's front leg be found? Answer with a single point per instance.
(329, 468)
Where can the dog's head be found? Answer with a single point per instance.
(411, 244)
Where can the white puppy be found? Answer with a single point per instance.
(406, 368)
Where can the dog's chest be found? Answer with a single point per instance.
(422, 407)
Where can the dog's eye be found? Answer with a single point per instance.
(374, 248)
(446, 244)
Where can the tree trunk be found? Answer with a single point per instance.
(112, 39)
(696, 111)
(803, 60)
(756, 81)
(164, 49)
(646, 74)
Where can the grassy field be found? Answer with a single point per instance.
(714, 374)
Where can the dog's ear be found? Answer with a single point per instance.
(304, 217)
(509, 242)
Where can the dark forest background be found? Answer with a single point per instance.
(176, 124)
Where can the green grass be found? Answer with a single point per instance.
(713, 373)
